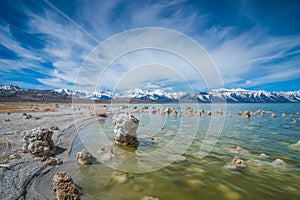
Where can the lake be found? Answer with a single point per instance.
(187, 157)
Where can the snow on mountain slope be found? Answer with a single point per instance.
(167, 95)
(237, 95)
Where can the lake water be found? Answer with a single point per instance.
(180, 158)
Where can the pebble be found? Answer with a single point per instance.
(149, 198)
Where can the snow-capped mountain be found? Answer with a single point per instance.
(151, 95)
(157, 95)
(217, 95)
(96, 95)
(9, 87)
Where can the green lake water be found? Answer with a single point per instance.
(153, 170)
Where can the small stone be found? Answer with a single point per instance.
(155, 139)
(106, 152)
(237, 163)
(98, 112)
(120, 177)
(297, 144)
(84, 158)
(263, 155)
(138, 188)
(54, 128)
(279, 163)
(238, 149)
(149, 198)
(14, 156)
(26, 116)
(51, 161)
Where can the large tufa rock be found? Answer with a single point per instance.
(84, 158)
(39, 142)
(63, 187)
(125, 130)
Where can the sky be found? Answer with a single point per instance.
(54, 44)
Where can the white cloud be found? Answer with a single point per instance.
(245, 59)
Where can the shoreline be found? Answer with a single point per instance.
(19, 180)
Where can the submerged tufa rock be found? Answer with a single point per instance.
(125, 130)
(237, 163)
(84, 158)
(38, 142)
(63, 187)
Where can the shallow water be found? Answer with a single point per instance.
(191, 176)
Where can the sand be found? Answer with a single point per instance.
(20, 174)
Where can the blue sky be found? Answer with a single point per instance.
(254, 44)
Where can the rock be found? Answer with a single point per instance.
(4, 143)
(4, 166)
(187, 111)
(198, 113)
(14, 156)
(238, 149)
(273, 115)
(219, 111)
(246, 114)
(153, 110)
(98, 112)
(177, 157)
(106, 152)
(54, 128)
(27, 117)
(51, 161)
(39, 142)
(155, 139)
(297, 144)
(125, 130)
(237, 163)
(208, 112)
(121, 177)
(84, 158)
(149, 198)
(263, 155)
(63, 187)
(174, 113)
(279, 163)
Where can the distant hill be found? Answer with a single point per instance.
(15, 93)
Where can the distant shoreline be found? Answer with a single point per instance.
(121, 101)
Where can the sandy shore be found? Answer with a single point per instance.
(19, 178)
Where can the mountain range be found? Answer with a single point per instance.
(10, 92)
